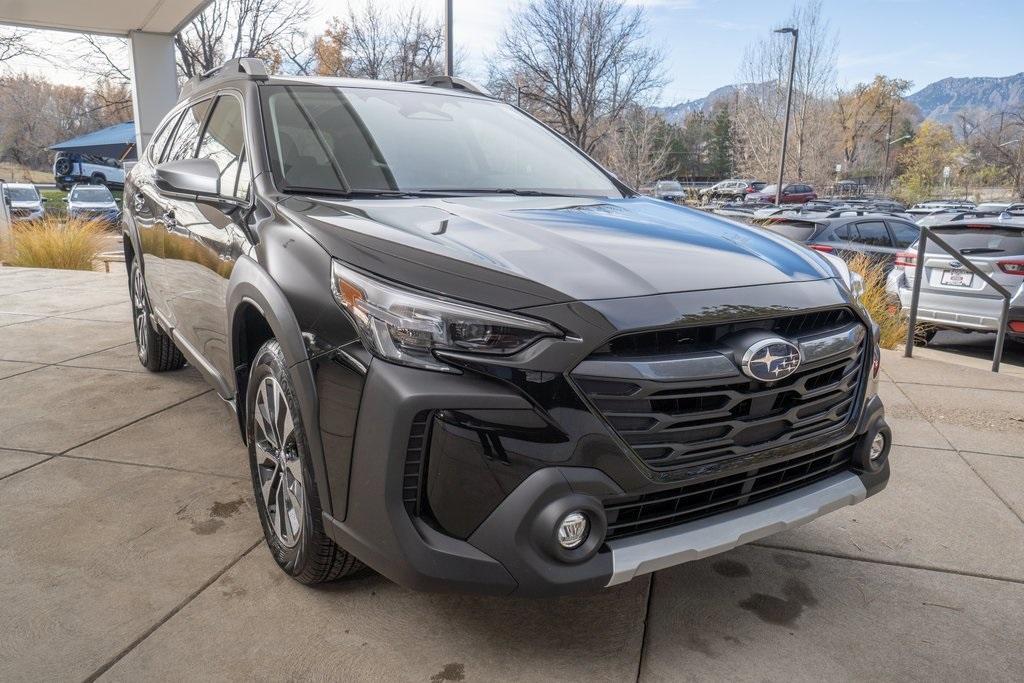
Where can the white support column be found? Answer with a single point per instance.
(154, 82)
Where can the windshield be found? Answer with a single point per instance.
(22, 194)
(340, 140)
(768, 189)
(91, 194)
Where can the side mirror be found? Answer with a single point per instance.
(199, 178)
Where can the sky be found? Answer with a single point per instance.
(703, 40)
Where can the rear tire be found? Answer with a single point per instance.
(923, 334)
(155, 349)
(283, 480)
(97, 179)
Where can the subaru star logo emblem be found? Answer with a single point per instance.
(770, 360)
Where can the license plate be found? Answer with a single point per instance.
(957, 278)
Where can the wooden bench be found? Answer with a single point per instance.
(110, 257)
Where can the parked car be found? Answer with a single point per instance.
(70, 168)
(953, 297)
(463, 353)
(24, 201)
(793, 193)
(999, 207)
(93, 202)
(848, 233)
(669, 191)
(939, 206)
(734, 189)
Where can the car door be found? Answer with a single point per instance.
(873, 239)
(146, 207)
(170, 217)
(215, 239)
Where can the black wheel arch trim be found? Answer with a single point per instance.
(250, 285)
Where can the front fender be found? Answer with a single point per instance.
(250, 285)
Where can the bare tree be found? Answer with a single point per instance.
(229, 29)
(637, 149)
(374, 43)
(582, 63)
(761, 106)
(15, 42)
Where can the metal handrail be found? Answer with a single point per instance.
(1004, 318)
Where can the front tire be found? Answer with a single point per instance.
(282, 476)
(155, 349)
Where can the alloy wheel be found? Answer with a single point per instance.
(277, 463)
(140, 313)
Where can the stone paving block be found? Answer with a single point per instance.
(56, 408)
(119, 313)
(210, 441)
(756, 614)
(124, 357)
(936, 512)
(61, 300)
(12, 461)
(977, 420)
(94, 554)
(371, 630)
(9, 368)
(1004, 474)
(51, 340)
(940, 374)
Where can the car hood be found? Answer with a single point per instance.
(26, 205)
(523, 251)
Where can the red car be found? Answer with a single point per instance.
(793, 193)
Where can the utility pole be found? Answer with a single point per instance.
(789, 101)
(449, 39)
(888, 138)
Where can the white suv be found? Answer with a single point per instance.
(71, 169)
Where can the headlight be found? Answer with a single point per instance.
(406, 328)
(853, 281)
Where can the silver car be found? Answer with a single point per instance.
(952, 297)
(24, 200)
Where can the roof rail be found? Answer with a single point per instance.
(452, 83)
(252, 67)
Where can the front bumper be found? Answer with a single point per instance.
(520, 494)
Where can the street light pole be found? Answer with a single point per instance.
(789, 102)
(449, 39)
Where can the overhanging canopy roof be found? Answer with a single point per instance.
(108, 17)
(113, 142)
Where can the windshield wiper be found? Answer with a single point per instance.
(498, 190)
(348, 194)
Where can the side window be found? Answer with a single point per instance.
(904, 233)
(874, 234)
(844, 233)
(186, 137)
(224, 142)
(157, 142)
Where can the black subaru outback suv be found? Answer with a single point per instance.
(464, 354)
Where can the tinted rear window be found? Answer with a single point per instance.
(798, 232)
(981, 241)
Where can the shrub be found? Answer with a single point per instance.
(884, 309)
(71, 244)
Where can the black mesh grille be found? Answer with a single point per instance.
(672, 424)
(628, 515)
(416, 463)
(688, 339)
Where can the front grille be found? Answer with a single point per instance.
(673, 423)
(629, 515)
(688, 339)
(416, 463)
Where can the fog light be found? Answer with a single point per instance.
(572, 530)
(877, 446)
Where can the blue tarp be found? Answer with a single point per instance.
(115, 142)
